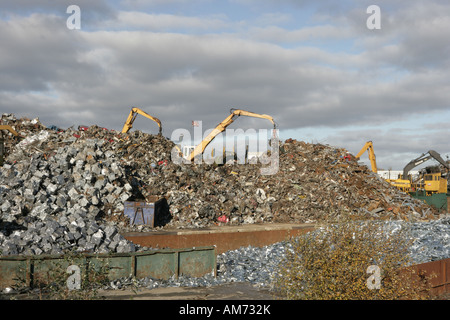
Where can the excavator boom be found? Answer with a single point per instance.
(423, 158)
(132, 116)
(369, 147)
(9, 128)
(223, 125)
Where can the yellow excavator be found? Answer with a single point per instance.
(2, 142)
(132, 116)
(200, 148)
(434, 182)
(369, 147)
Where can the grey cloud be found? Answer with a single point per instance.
(393, 147)
(92, 12)
(202, 77)
(167, 22)
(412, 37)
(67, 77)
(39, 52)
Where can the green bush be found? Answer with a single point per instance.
(332, 263)
(53, 283)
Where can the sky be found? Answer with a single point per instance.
(314, 66)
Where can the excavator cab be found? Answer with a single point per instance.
(434, 183)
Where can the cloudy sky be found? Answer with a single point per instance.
(314, 66)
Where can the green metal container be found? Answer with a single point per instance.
(437, 200)
(158, 264)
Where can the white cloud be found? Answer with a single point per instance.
(275, 34)
(167, 22)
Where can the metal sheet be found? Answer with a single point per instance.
(195, 263)
(160, 266)
(12, 271)
(437, 200)
(140, 212)
(119, 266)
(224, 238)
(438, 270)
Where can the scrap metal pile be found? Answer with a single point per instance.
(65, 189)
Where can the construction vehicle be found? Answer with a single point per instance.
(433, 180)
(401, 184)
(132, 116)
(369, 147)
(234, 113)
(2, 142)
(435, 183)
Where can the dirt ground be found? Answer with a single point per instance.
(229, 291)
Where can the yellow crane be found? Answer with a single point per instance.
(132, 116)
(369, 147)
(198, 150)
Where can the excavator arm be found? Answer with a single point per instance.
(369, 147)
(132, 116)
(9, 128)
(424, 157)
(223, 125)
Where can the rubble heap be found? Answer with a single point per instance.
(65, 189)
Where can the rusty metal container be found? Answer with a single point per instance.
(439, 271)
(224, 238)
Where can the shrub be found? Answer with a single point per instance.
(53, 283)
(332, 263)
